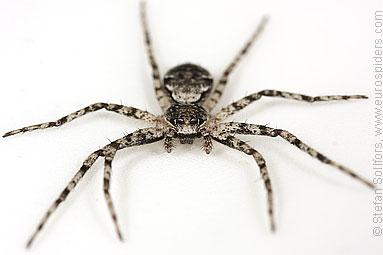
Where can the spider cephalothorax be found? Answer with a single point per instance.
(187, 103)
(186, 120)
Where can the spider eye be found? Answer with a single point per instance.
(173, 121)
(180, 121)
(194, 121)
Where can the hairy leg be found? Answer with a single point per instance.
(237, 144)
(139, 137)
(217, 93)
(120, 109)
(252, 129)
(242, 103)
(71, 185)
(107, 175)
(158, 87)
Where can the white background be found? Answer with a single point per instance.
(59, 56)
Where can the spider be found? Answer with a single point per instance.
(187, 98)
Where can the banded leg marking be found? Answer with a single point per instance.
(217, 93)
(71, 185)
(304, 147)
(240, 145)
(107, 175)
(252, 129)
(120, 109)
(158, 87)
(242, 103)
(207, 144)
(137, 138)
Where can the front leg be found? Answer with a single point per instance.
(120, 109)
(252, 129)
(158, 86)
(242, 103)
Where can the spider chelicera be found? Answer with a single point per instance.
(187, 97)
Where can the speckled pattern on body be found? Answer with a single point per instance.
(187, 97)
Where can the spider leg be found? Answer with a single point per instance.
(242, 103)
(120, 109)
(217, 93)
(252, 129)
(169, 140)
(107, 175)
(158, 87)
(137, 138)
(71, 185)
(240, 145)
(207, 144)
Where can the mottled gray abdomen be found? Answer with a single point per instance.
(188, 83)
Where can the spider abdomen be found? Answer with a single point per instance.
(188, 83)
